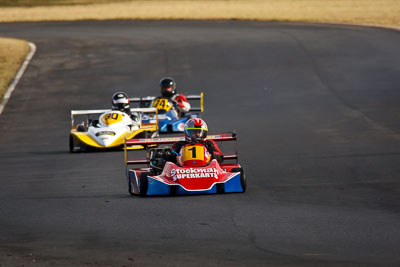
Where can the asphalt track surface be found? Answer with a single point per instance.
(316, 109)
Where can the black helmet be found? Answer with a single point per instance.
(168, 87)
(120, 101)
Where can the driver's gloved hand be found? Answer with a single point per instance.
(219, 158)
(174, 103)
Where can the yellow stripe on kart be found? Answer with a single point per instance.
(84, 138)
(201, 102)
(205, 129)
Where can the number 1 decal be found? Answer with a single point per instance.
(193, 149)
(193, 153)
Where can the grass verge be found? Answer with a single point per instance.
(12, 54)
(382, 12)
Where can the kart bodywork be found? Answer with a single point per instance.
(180, 180)
(110, 128)
(169, 119)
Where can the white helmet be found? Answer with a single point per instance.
(195, 130)
(120, 101)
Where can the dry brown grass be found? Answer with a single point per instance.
(30, 3)
(12, 53)
(382, 12)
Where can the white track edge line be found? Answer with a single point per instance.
(11, 88)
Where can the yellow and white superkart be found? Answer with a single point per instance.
(111, 128)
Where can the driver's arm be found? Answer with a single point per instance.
(182, 103)
(176, 148)
(214, 150)
(135, 116)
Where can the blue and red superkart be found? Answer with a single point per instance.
(169, 119)
(194, 173)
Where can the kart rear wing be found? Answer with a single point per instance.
(90, 112)
(170, 140)
(146, 101)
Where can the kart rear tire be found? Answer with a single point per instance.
(243, 181)
(143, 183)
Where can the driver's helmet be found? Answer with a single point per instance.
(195, 130)
(168, 87)
(120, 101)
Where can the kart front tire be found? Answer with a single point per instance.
(220, 188)
(130, 188)
(71, 144)
(143, 183)
(243, 181)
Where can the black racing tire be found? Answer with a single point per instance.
(220, 188)
(130, 187)
(243, 181)
(173, 190)
(71, 144)
(143, 183)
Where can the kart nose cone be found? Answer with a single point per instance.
(105, 141)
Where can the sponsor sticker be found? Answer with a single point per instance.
(105, 133)
(174, 139)
(194, 173)
(181, 126)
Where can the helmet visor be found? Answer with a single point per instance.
(119, 106)
(196, 133)
(167, 92)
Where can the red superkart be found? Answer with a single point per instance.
(194, 173)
